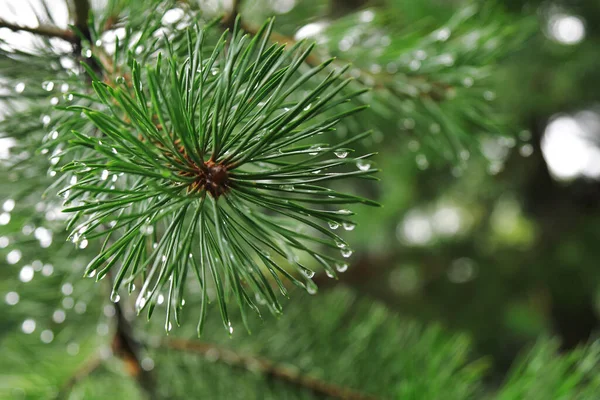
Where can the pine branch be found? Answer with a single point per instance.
(127, 347)
(266, 367)
(42, 30)
(82, 12)
(192, 160)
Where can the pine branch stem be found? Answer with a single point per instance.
(228, 20)
(42, 30)
(82, 12)
(126, 347)
(268, 368)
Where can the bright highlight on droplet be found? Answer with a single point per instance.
(26, 274)
(310, 30)
(59, 316)
(14, 256)
(566, 29)
(47, 336)
(568, 146)
(11, 298)
(8, 205)
(28, 326)
(4, 218)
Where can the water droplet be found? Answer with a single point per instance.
(140, 303)
(59, 316)
(109, 310)
(120, 80)
(20, 87)
(314, 150)
(47, 269)
(73, 349)
(526, 150)
(341, 267)
(346, 252)
(422, 162)
(14, 256)
(104, 175)
(48, 86)
(67, 289)
(4, 218)
(8, 205)
(329, 274)
(489, 95)
(147, 364)
(26, 274)
(340, 154)
(114, 297)
(68, 303)
(11, 298)
(333, 225)
(363, 165)
(341, 244)
(260, 299)
(230, 327)
(344, 212)
(147, 230)
(288, 188)
(47, 336)
(408, 123)
(442, 34)
(307, 272)
(349, 226)
(83, 243)
(28, 326)
(54, 101)
(311, 287)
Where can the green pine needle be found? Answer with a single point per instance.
(199, 165)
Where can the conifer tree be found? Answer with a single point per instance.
(180, 177)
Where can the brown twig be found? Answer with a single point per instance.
(269, 368)
(42, 30)
(229, 19)
(128, 348)
(82, 13)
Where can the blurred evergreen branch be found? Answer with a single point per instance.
(136, 116)
(48, 31)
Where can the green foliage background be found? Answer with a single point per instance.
(495, 297)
